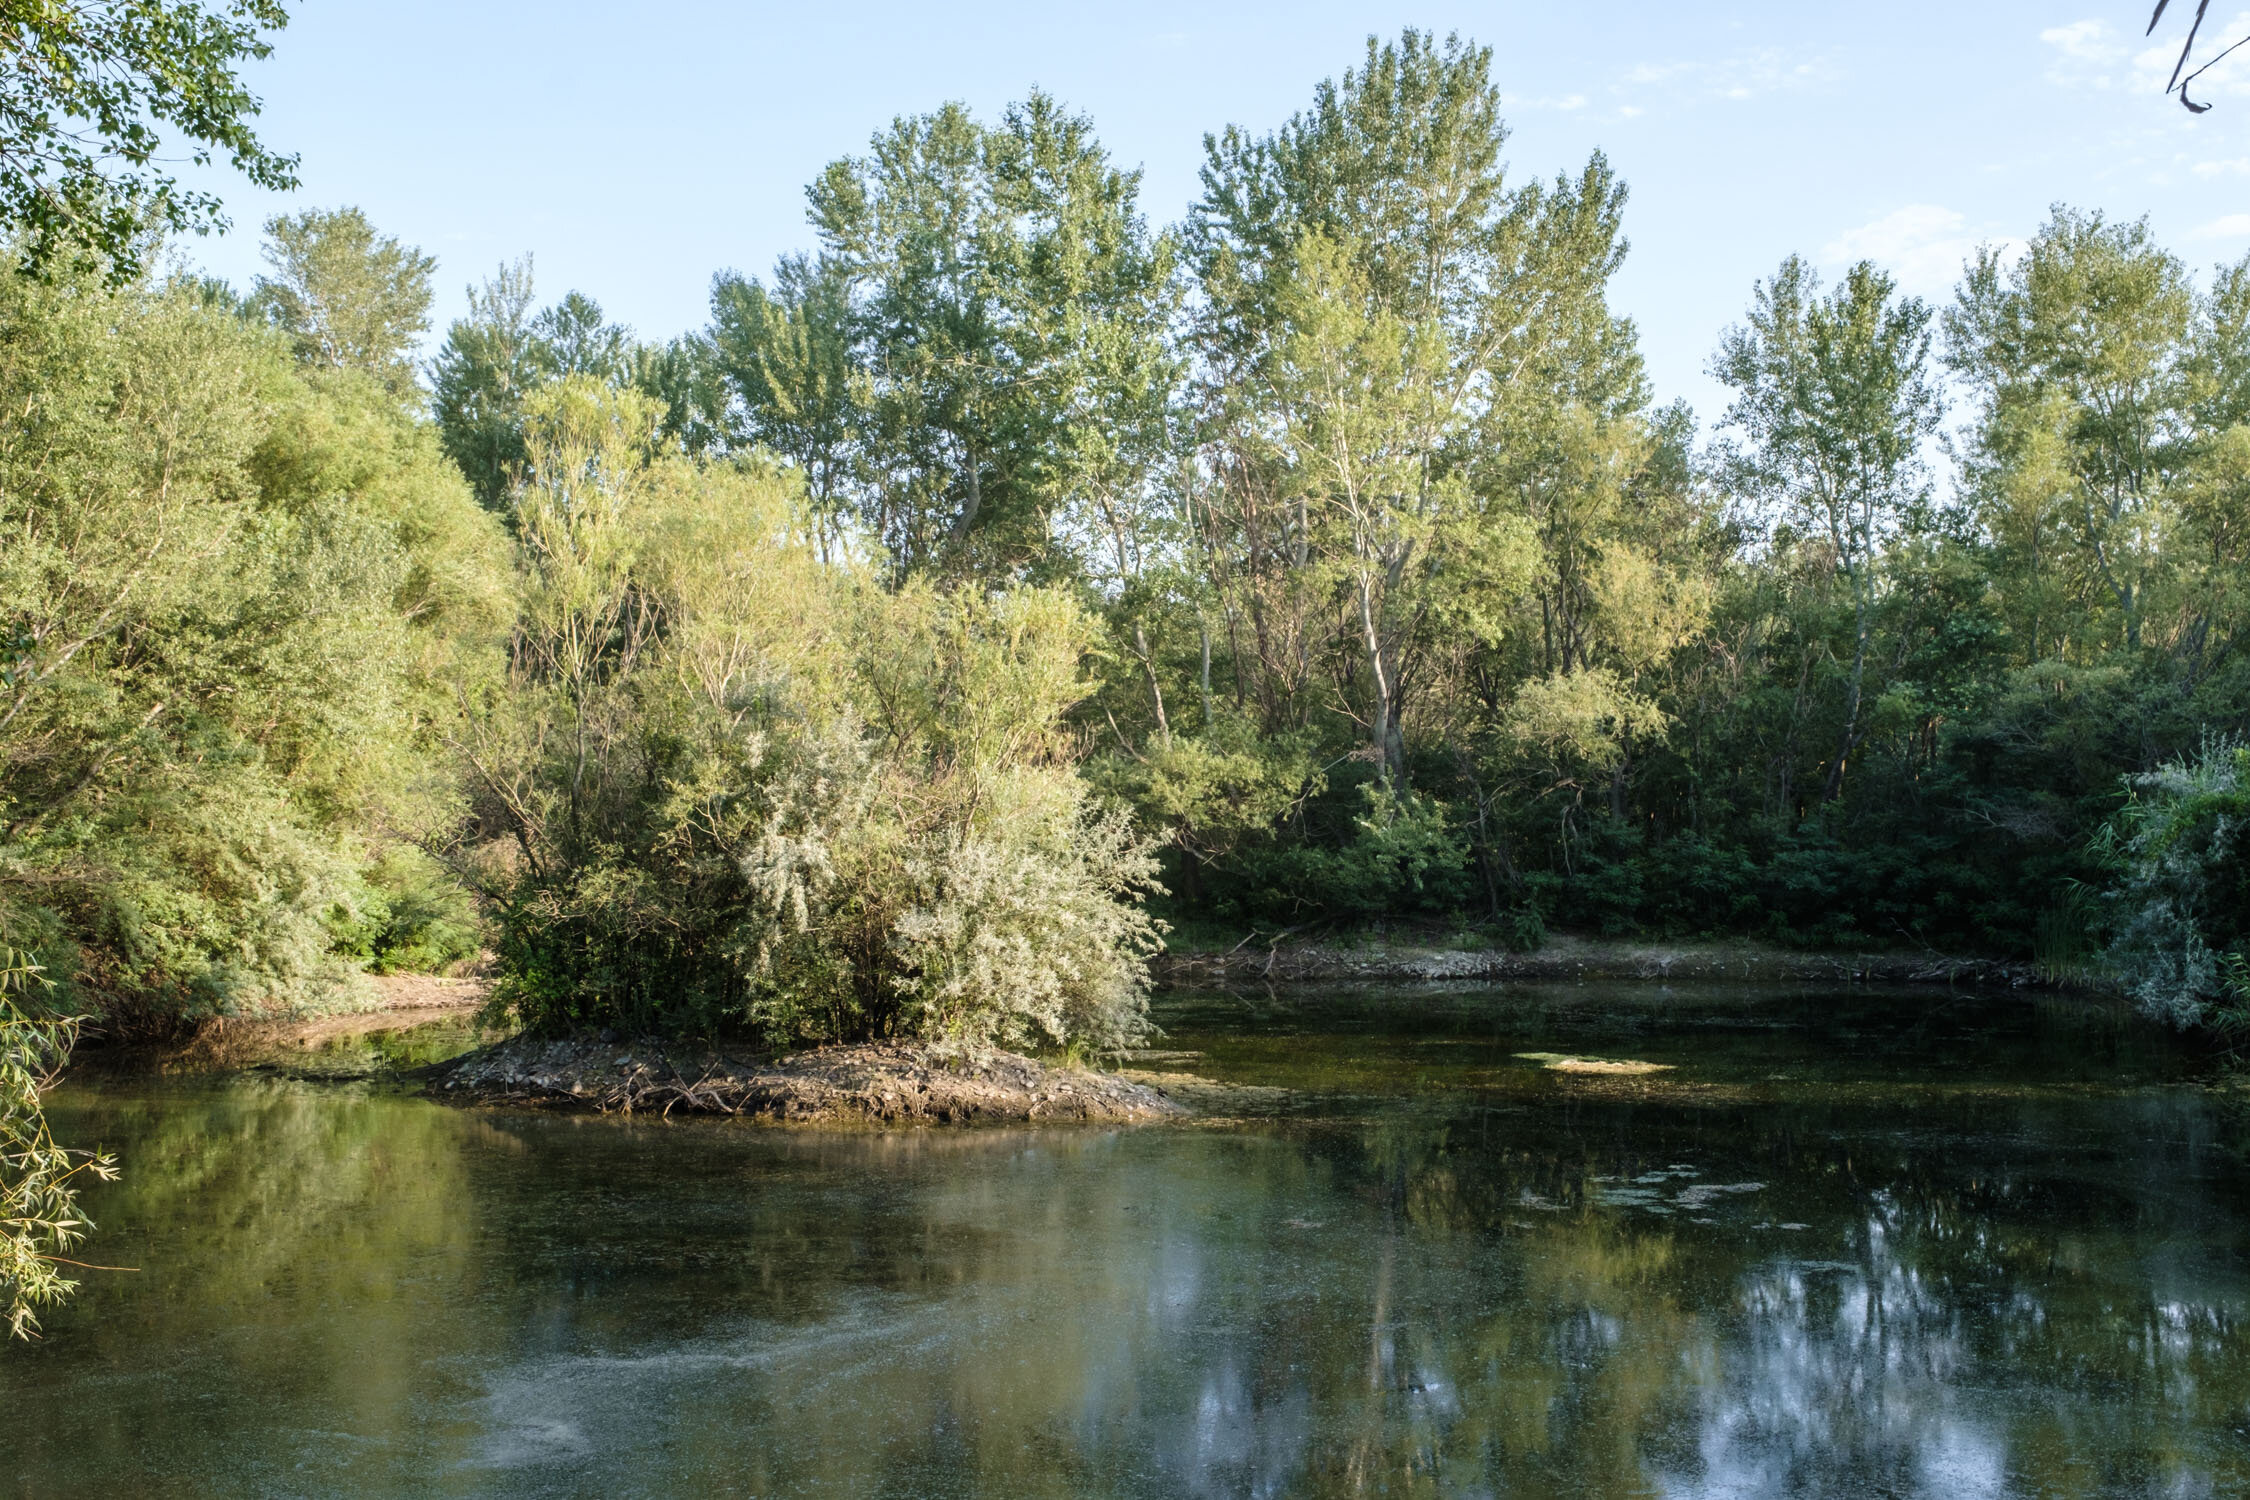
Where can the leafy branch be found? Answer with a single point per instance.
(39, 1216)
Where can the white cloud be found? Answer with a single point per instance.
(1564, 102)
(2091, 54)
(1898, 230)
(2239, 164)
(1746, 75)
(2088, 41)
(2152, 68)
(2231, 227)
(1923, 245)
(2087, 54)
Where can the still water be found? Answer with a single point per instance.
(1893, 1244)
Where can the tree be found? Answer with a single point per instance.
(745, 790)
(1347, 262)
(502, 354)
(86, 93)
(580, 341)
(1833, 402)
(1363, 399)
(1389, 331)
(233, 601)
(2075, 353)
(348, 298)
(491, 362)
(785, 356)
(986, 282)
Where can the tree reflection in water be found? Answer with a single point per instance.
(1951, 1260)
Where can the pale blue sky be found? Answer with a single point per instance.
(636, 150)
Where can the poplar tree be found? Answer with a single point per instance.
(347, 297)
(1833, 403)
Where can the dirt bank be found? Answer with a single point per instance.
(885, 1083)
(402, 1000)
(1583, 958)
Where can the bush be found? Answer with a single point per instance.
(409, 915)
(738, 791)
(228, 592)
(2178, 902)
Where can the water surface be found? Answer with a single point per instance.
(1843, 1244)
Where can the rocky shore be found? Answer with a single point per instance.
(881, 1083)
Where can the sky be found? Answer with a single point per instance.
(636, 150)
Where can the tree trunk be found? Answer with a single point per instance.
(1208, 720)
(1155, 691)
(1850, 741)
(1380, 721)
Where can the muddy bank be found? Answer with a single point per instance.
(403, 1003)
(1581, 958)
(882, 1083)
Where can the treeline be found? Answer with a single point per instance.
(1005, 569)
(283, 702)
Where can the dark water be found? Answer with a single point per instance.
(1848, 1245)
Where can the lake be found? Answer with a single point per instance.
(1447, 1243)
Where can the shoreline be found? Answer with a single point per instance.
(913, 1084)
(1563, 957)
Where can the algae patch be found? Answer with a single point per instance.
(1563, 1062)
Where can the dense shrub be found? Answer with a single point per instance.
(2179, 898)
(729, 789)
(235, 597)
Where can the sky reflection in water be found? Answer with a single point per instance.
(1871, 1244)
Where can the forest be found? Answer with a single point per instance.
(1005, 587)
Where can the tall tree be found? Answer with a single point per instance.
(2075, 353)
(581, 341)
(785, 357)
(1833, 403)
(491, 362)
(1373, 284)
(985, 281)
(349, 298)
(494, 360)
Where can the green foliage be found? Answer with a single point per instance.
(976, 361)
(84, 101)
(491, 361)
(496, 359)
(860, 664)
(409, 915)
(239, 595)
(347, 297)
(2180, 892)
(1834, 402)
(2063, 941)
(39, 1217)
(733, 790)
